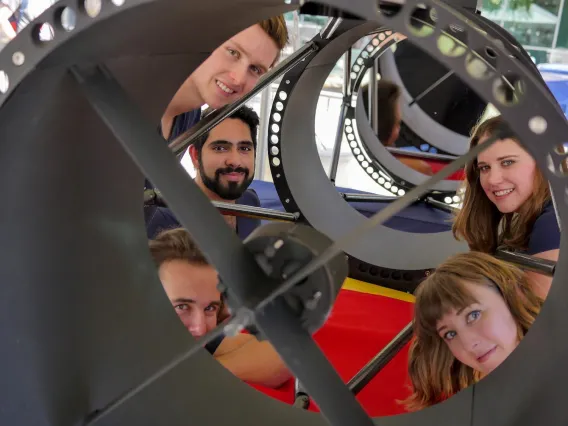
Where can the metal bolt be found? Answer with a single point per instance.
(312, 303)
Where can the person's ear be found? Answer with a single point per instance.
(194, 156)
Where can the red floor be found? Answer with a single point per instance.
(359, 327)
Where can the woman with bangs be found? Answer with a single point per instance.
(507, 202)
(470, 315)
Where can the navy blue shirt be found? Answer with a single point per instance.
(159, 219)
(545, 234)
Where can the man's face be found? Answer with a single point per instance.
(225, 164)
(192, 290)
(233, 69)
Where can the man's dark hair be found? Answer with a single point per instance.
(247, 115)
(175, 244)
(387, 94)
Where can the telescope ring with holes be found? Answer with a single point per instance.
(381, 166)
(83, 313)
(402, 258)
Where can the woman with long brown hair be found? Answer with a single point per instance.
(469, 315)
(507, 202)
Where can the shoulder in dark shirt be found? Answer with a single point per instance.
(545, 234)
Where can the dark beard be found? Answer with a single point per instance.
(233, 190)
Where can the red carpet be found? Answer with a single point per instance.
(359, 327)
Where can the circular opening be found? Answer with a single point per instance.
(489, 51)
(18, 59)
(283, 95)
(562, 148)
(275, 128)
(507, 92)
(450, 46)
(274, 150)
(477, 67)
(422, 21)
(274, 139)
(67, 19)
(538, 125)
(118, 2)
(4, 82)
(276, 162)
(279, 106)
(448, 200)
(43, 33)
(93, 7)
(564, 167)
(276, 117)
(401, 192)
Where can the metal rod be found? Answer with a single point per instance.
(432, 87)
(420, 154)
(231, 209)
(373, 367)
(330, 28)
(262, 145)
(337, 145)
(179, 144)
(366, 198)
(342, 113)
(253, 212)
(528, 262)
(375, 97)
(440, 205)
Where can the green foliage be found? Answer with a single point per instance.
(493, 5)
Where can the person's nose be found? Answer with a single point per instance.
(495, 176)
(233, 160)
(470, 340)
(239, 74)
(197, 326)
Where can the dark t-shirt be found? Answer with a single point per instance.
(545, 234)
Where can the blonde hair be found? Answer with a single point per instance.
(434, 372)
(479, 222)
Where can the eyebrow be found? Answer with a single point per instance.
(248, 54)
(226, 143)
(186, 300)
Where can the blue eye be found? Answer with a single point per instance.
(449, 335)
(473, 315)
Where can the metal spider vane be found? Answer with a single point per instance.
(83, 315)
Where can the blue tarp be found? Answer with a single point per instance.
(556, 78)
(418, 218)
